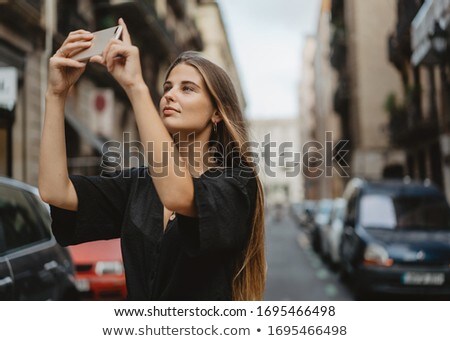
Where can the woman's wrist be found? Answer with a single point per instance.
(137, 89)
(55, 94)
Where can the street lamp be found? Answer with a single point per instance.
(439, 42)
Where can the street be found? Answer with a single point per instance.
(295, 272)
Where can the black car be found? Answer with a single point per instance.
(396, 238)
(32, 265)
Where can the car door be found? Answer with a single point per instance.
(349, 237)
(26, 243)
(6, 281)
(54, 258)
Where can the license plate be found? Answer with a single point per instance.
(82, 285)
(423, 278)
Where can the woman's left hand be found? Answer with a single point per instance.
(121, 58)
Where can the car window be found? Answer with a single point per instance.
(377, 211)
(43, 211)
(19, 222)
(404, 212)
(422, 212)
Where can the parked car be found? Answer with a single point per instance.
(99, 270)
(307, 217)
(296, 210)
(396, 238)
(332, 232)
(321, 219)
(32, 265)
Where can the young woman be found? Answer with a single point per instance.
(191, 223)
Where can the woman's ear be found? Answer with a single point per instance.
(217, 117)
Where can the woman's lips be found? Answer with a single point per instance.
(169, 111)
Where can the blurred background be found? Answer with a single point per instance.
(362, 213)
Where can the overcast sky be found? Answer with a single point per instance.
(266, 37)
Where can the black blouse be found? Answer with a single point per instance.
(193, 259)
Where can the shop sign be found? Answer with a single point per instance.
(8, 87)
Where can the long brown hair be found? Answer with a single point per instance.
(231, 137)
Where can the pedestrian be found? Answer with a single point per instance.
(191, 228)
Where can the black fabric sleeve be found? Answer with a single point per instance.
(225, 207)
(101, 206)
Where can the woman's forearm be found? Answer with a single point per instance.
(170, 176)
(54, 185)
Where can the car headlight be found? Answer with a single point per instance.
(376, 254)
(109, 268)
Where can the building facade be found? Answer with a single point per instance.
(420, 124)
(328, 121)
(366, 83)
(307, 113)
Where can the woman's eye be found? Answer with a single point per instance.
(187, 88)
(166, 89)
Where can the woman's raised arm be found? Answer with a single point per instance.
(55, 186)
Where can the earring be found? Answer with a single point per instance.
(215, 127)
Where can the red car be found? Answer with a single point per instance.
(99, 270)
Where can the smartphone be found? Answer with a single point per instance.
(99, 42)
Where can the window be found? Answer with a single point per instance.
(404, 212)
(19, 222)
(377, 211)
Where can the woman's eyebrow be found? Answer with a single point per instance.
(190, 83)
(183, 83)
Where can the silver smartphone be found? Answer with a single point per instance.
(99, 42)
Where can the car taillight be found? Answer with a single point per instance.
(109, 268)
(376, 254)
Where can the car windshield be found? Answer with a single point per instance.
(404, 212)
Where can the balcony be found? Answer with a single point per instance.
(420, 133)
(143, 23)
(337, 11)
(399, 43)
(23, 15)
(407, 127)
(395, 55)
(341, 98)
(407, 10)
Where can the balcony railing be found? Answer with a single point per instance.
(338, 53)
(26, 14)
(341, 98)
(142, 22)
(337, 11)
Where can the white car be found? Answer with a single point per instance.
(333, 231)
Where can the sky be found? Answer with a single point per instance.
(266, 38)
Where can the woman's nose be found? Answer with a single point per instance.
(168, 96)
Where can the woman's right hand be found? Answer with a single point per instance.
(64, 71)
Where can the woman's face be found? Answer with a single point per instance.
(186, 105)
